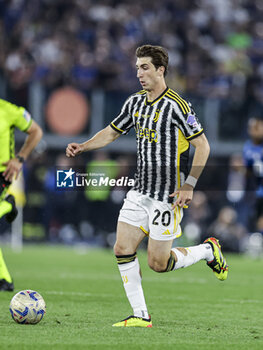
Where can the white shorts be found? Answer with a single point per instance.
(155, 218)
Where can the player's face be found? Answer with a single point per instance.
(255, 130)
(147, 74)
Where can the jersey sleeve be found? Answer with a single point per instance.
(18, 116)
(23, 120)
(187, 121)
(123, 122)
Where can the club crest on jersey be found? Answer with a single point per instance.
(191, 120)
(157, 114)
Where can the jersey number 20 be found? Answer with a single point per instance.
(165, 217)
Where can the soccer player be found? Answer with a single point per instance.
(165, 125)
(253, 159)
(12, 116)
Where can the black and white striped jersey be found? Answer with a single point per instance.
(163, 128)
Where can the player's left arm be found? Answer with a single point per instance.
(14, 165)
(202, 150)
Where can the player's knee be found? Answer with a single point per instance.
(157, 265)
(120, 249)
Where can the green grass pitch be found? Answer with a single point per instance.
(190, 308)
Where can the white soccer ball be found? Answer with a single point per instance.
(27, 307)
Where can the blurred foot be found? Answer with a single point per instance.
(10, 217)
(6, 286)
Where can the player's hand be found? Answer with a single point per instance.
(13, 168)
(184, 196)
(73, 149)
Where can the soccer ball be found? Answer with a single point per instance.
(27, 307)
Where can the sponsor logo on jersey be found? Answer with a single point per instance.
(145, 116)
(150, 134)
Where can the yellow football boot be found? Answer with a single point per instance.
(133, 321)
(218, 265)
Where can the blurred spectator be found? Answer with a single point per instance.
(199, 214)
(106, 199)
(236, 193)
(259, 225)
(236, 179)
(197, 218)
(228, 230)
(98, 200)
(60, 214)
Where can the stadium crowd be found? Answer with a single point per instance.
(215, 47)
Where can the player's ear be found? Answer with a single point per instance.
(161, 70)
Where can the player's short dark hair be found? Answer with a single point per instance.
(158, 55)
(255, 118)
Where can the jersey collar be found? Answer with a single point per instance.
(150, 103)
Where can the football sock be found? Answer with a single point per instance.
(5, 208)
(194, 254)
(130, 272)
(4, 274)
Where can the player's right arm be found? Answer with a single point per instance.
(99, 140)
(120, 125)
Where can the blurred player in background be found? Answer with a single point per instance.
(253, 159)
(12, 116)
(165, 124)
